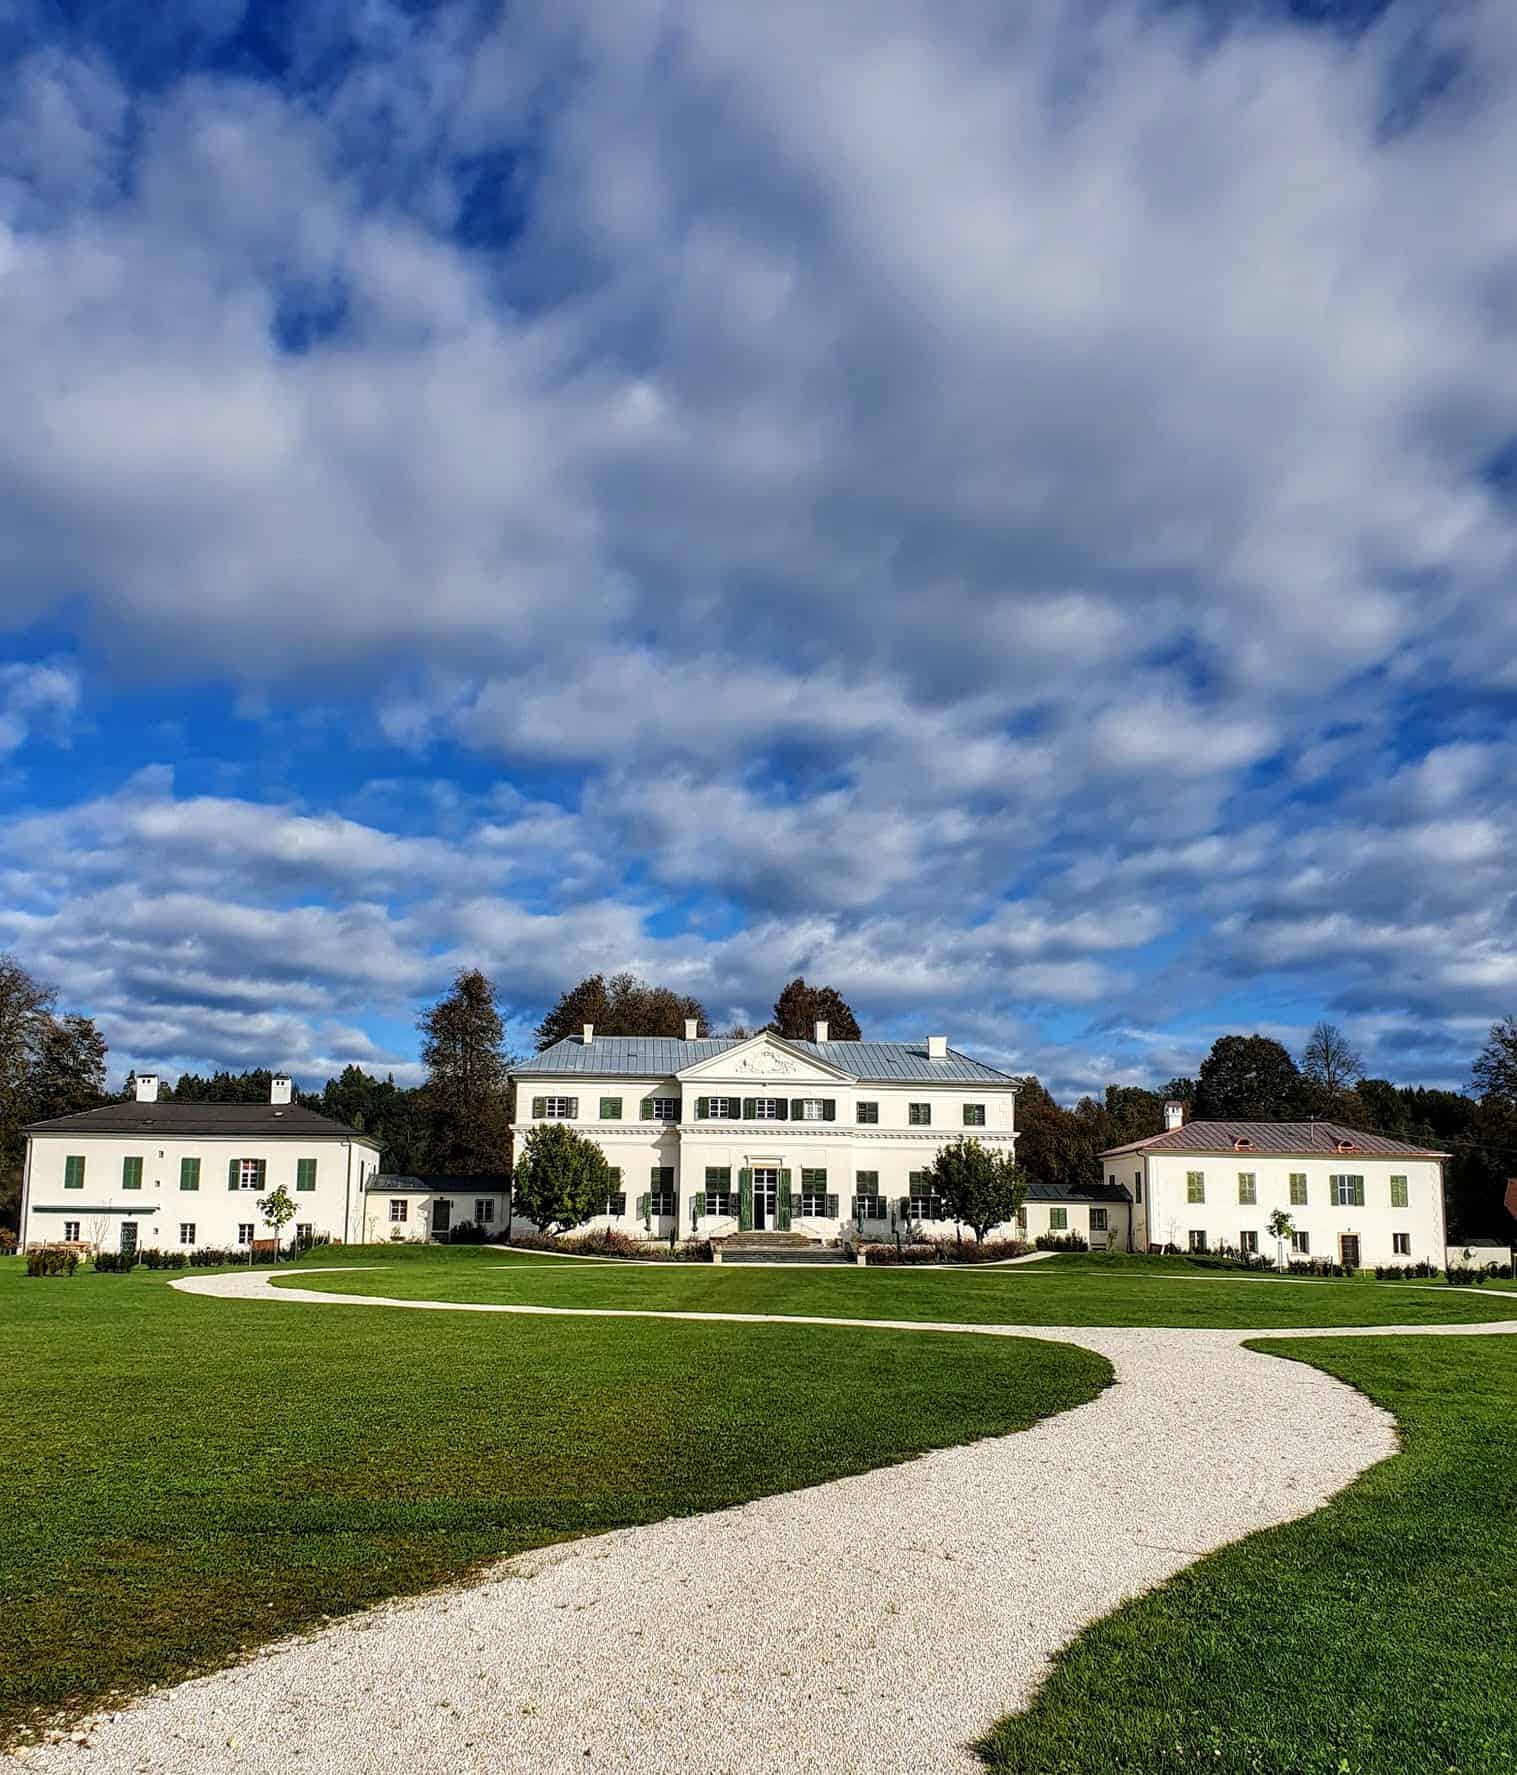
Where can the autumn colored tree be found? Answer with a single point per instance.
(800, 1007)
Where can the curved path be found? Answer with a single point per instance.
(873, 1624)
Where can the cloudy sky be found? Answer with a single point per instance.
(1006, 509)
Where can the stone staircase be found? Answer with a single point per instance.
(775, 1247)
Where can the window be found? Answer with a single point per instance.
(1195, 1186)
(1098, 1220)
(305, 1174)
(399, 1210)
(245, 1232)
(186, 1232)
(246, 1173)
(1137, 1187)
(921, 1203)
(305, 1234)
(974, 1115)
(1398, 1192)
(1347, 1190)
(1301, 1244)
(1198, 1239)
(767, 1109)
(1058, 1220)
(868, 1204)
(919, 1114)
(720, 1109)
(1248, 1243)
(1401, 1244)
(866, 1112)
(1248, 1189)
(484, 1210)
(814, 1193)
(71, 1232)
(73, 1172)
(1298, 1189)
(664, 1109)
(661, 1197)
(558, 1109)
(131, 1174)
(189, 1174)
(719, 1189)
(610, 1109)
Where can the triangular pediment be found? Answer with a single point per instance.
(765, 1058)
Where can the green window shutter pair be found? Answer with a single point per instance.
(868, 1182)
(782, 1203)
(131, 1174)
(1195, 1186)
(1058, 1219)
(73, 1171)
(974, 1115)
(1298, 1189)
(745, 1200)
(1248, 1193)
(189, 1174)
(1398, 1192)
(610, 1109)
(305, 1174)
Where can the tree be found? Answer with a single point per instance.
(799, 1008)
(395, 1116)
(981, 1188)
(1059, 1146)
(466, 1088)
(1281, 1226)
(250, 1086)
(1332, 1068)
(276, 1210)
(1495, 1070)
(622, 1005)
(1248, 1078)
(1133, 1113)
(561, 1179)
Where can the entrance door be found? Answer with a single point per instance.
(1348, 1250)
(129, 1235)
(766, 1186)
(442, 1219)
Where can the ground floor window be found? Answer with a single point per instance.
(484, 1211)
(245, 1232)
(813, 1201)
(398, 1209)
(663, 1202)
(186, 1232)
(922, 1204)
(1198, 1239)
(1248, 1242)
(305, 1232)
(1098, 1220)
(1401, 1244)
(1058, 1220)
(719, 1189)
(1301, 1244)
(71, 1232)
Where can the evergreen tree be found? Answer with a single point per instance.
(799, 1008)
(466, 1088)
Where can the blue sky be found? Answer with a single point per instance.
(1006, 510)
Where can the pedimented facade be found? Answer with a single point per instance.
(707, 1137)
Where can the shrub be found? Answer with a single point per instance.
(1403, 1272)
(917, 1252)
(467, 1233)
(1061, 1242)
(7, 1242)
(51, 1260)
(1462, 1276)
(978, 1251)
(115, 1263)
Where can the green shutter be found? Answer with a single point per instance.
(784, 1107)
(263, 1169)
(750, 1109)
(305, 1174)
(189, 1174)
(231, 1173)
(131, 1173)
(698, 1204)
(539, 1108)
(645, 1211)
(797, 1108)
(610, 1109)
(745, 1200)
(702, 1108)
(832, 1207)
(73, 1171)
(829, 1109)
(782, 1203)
(646, 1109)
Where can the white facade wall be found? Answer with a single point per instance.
(1168, 1217)
(1040, 1217)
(380, 1226)
(161, 1208)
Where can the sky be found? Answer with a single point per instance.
(1009, 511)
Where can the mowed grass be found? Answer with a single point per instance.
(1061, 1290)
(186, 1477)
(1376, 1637)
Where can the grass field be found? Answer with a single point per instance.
(1063, 1290)
(1373, 1638)
(186, 1477)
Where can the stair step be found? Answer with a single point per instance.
(783, 1254)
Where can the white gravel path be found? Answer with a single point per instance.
(874, 1624)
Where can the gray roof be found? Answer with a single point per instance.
(1298, 1139)
(439, 1182)
(290, 1121)
(1077, 1192)
(614, 1056)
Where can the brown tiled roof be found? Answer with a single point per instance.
(1298, 1139)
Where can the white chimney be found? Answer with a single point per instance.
(937, 1047)
(147, 1087)
(279, 1088)
(691, 1025)
(821, 1030)
(1174, 1116)
(589, 1034)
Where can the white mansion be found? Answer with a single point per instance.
(708, 1137)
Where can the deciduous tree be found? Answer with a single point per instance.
(622, 1005)
(799, 1008)
(1248, 1078)
(561, 1178)
(1495, 1069)
(1331, 1067)
(979, 1187)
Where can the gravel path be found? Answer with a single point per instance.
(874, 1624)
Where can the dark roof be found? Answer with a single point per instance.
(1077, 1192)
(268, 1120)
(661, 1057)
(448, 1183)
(1298, 1139)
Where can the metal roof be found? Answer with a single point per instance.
(1077, 1192)
(493, 1183)
(1298, 1139)
(287, 1121)
(631, 1056)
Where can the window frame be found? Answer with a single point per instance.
(189, 1175)
(1401, 1244)
(1248, 1189)
(866, 1111)
(1346, 1189)
(610, 1109)
(1400, 1188)
(1098, 1221)
(246, 1233)
(812, 1191)
(1301, 1242)
(813, 1109)
(484, 1211)
(72, 1238)
(1058, 1218)
(767, 1109)
(186, 1233)
(974, 1115)
(1248, 1242)
(73, 1170)
(919, 1115)
(1298, 1191)
(131, 1169)
(665, 1109)
(560, 1109)
(400, 1211)
(1196, 1237)
(718, 1188)
(1195, 1188)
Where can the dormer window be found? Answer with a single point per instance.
(1242, 1144)
(1348, 1146)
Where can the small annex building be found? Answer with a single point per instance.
(419, 1207)
(186, 1176)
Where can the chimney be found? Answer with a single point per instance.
(1174, 1116)
(821, 1031)
(589, 1034)
(937, 1047)
(279, 1088)
(147, 1087)
(691, 1025)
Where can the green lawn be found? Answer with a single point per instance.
(1373, 1638)
(1064, 1290)
(186, 1477)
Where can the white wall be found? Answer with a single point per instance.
(379, 1228)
